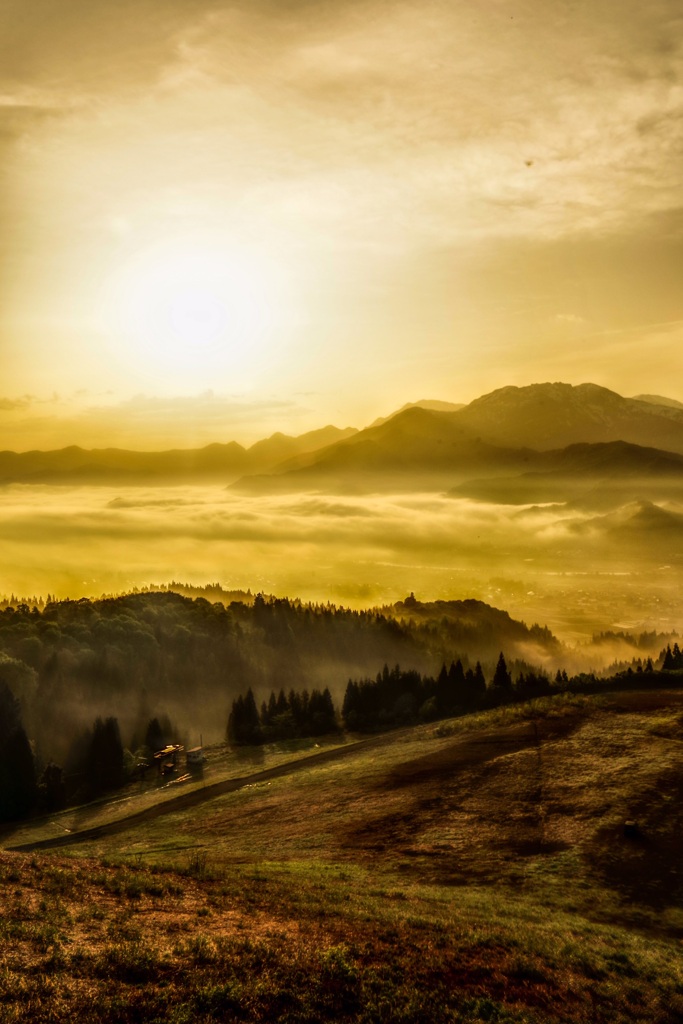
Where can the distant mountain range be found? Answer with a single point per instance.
(216, 463)
(594, 476)
(540, 443)
(515, 441)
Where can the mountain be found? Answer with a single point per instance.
(588, 475)
(415, 449)
(117, 465)
(213, 463)
(509, 431)
(670, 403)
(427, 445)
(432, 404)
(640, 528)
(279, 447)
(547, 416)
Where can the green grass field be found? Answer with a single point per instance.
(474, 870)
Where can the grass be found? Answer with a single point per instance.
(223, 764)
(306, 941)
(460, 872)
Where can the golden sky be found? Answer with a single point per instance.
(219, 220)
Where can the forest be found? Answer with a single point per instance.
(90, 689)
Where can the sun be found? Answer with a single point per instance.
(194, 309)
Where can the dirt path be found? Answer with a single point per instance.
(200, 796)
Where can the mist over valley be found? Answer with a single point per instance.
(583, 538)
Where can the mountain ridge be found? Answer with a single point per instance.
(430, 444)
(505, 431)
(212, 462)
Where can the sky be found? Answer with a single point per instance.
(221, 220)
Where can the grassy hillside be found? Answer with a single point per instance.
(476, 870)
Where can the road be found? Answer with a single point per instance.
(193, 797)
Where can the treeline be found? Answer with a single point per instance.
(126, 657)
(96, 763)
(296, 715)
(71, 663)
(671, 658)
(397, 697)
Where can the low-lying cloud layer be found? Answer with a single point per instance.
(576, 571)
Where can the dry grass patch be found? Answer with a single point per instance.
(87, 941)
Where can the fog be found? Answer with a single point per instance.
(574, 570)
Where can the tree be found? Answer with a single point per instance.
(321, 714)
(501, 684)
(478, 685)
(534, 684)
(351, 705)
(17, 767)
(104, 758)
(244, 725)
(668, 662)
(51, 789)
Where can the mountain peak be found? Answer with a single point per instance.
(429, 404)
(556, 391)
(667, 403)
(554, 415)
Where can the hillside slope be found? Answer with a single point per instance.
(474, 871)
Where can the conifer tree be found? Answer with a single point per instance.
(17, 767)
(478, 683)
(104, 760)
(501, 684)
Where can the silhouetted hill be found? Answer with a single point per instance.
(432, 404)
(639, 527)
(213, 463)
(280, 447)
(463, 621)
(414, 449)
(670, 403)
(600, 474)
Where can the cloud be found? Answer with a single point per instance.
(426, 119)
(15, 404)
(572, 320)
(575, 572)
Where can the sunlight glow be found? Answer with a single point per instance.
(194, 309)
